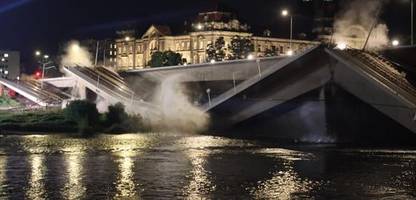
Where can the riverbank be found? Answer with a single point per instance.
(36, 121)
(79, 118)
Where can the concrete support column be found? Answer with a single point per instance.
(80, 91)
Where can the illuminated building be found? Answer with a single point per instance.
(135, 52)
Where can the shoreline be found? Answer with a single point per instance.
(10, 132)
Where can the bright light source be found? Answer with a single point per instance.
(38, 53)
(6, 55)
(6, 72)
(285, 12)
(199, 27)
(3, 59)
(46, 56)
(38, 74)
(18, 78)
(395, 43)
(341, 46)
(289, 53)
(127, 38)
(75, 47)
(212, 61)
(250, 57)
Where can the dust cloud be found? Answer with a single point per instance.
(354, 23)
(179, 114)
(76, 55)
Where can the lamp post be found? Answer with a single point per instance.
(412, 12)
(286, 13)
(128, 39)
(209, 96)
(44, 61)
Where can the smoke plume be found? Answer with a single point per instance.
(179, 113)
(354, 23)
(76, 55)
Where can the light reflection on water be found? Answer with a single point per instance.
(3, 165)
(126, 187)
(36, 189)
(168, 166)
(200, 184)
(74, 188)
(282, 185)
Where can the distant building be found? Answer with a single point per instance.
(9, 64)
(135, 52)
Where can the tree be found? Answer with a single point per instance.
(270, 52)
(84, 113)
(216, 51)
(172, 58)
(240, 47)
(116, 114)
(165, 58)
(157, 59)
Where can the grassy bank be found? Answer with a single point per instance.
(79, 117)
(36, 121)
(6, 102)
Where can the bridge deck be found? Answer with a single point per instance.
(46, 95)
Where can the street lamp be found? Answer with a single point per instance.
(209, 96)
(75, 47)
(127, 40)
(341, 46)
(286, 13)
(395, 43)
(44, 61)
(250, 57)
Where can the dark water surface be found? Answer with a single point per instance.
(169, 166)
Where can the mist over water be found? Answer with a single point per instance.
(178, 111)
(355, 22)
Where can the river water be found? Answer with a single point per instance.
(174, 166)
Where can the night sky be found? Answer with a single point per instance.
(26, 25)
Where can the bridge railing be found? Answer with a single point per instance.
(253, 80)
(384, 70)
(122, 98)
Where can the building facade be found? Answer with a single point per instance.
(101, 51)
(10, 64)
(135, 52)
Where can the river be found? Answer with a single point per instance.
(176, 166)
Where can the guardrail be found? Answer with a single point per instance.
(255, 79)
(383, 70)
(99, 88)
